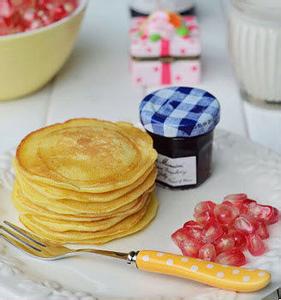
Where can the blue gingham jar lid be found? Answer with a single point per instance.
(179, 112)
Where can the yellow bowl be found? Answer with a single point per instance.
(29, 60)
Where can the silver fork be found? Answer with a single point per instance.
(221, 276)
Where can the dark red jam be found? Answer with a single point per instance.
(198, 149)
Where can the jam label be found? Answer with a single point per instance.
(179, 171)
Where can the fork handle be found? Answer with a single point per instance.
(213, 274)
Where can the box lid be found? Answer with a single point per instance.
(155, 36)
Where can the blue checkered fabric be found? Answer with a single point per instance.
(179, 112)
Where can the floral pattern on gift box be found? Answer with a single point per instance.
(171, 41)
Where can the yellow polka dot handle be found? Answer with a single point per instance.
(213, 274)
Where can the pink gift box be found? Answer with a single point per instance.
(180, 72)
(166, 61)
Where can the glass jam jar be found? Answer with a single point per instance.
(181, 121)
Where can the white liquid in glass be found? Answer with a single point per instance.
(255, 46)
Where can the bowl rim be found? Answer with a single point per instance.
(82, 6)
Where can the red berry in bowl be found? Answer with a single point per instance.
(24, 15)
(6, 9)
(233, 257)
(207, 252)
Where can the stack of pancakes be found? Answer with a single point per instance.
(85, 181)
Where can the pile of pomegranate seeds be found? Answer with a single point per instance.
(222, 232)
(24, 15)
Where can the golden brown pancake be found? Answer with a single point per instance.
(25, 206)
(55, 193)
(75, 207)
(89, 238)
(86, 155)
(93, 226)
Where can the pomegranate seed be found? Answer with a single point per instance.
(224, 243)
(225, 228)
(207, 252)
(194, 231)
(236, 199)
(35, 24)
(29, 15)
(260, 212)
(59, 13)
(239, 239)
(262, 231)
(245, 205)
(179, 236)
(188, 245)
(255, 245)
(274, 217)
(68, 7)
(192, 224)
(233, 257)
(245, 224)
(204, 217)
(204, 206)
(225, 214)
(211, 232)
(228, 203)
(6, 9)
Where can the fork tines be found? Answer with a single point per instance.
(21, 239)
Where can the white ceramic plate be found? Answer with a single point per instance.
(239, 166)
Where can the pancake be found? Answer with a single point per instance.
(92, 226)
(75, 207)
(25, 206)
(58, 193)
(86, 155)
(85, 181)
(88, 238)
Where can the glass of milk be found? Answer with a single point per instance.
(255, 48)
